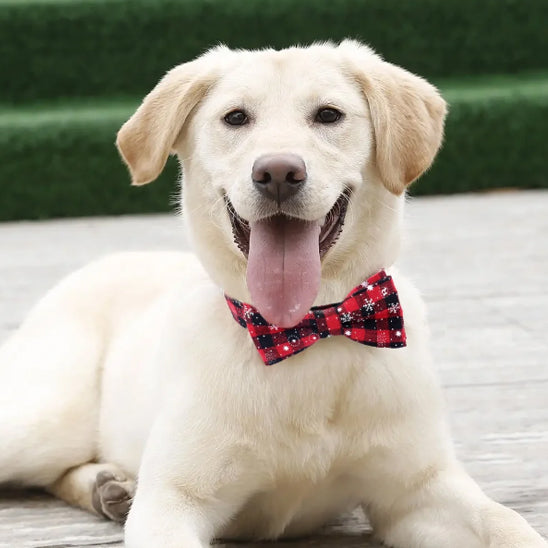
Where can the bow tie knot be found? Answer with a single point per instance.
(370, 314)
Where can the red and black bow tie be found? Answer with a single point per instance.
(371, 314)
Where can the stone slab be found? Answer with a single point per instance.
(481, 262)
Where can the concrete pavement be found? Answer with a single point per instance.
(481, 262)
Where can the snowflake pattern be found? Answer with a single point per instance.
(368, 306)
(393, 308)
(346, 317)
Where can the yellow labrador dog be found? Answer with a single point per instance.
(295, 166)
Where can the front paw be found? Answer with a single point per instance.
(151, 524)
(507, 529)
(519, 543)
(521, 535)
(154, 536)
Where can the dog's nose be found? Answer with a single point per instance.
(279, 176)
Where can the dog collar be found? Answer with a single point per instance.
(371, 314)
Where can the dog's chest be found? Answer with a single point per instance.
(315, 492)
(311, 436)
(308, 413)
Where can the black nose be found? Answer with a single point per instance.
(279, 176)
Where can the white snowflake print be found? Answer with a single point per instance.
(393, 308)
(248, 313)
(368, 306)
(346, 317)
(384, 291)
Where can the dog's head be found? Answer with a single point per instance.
(295, 165)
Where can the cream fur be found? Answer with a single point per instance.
(135, 361)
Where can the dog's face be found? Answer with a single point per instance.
(292, 115)
(294, 164)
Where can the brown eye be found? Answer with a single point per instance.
(236, 118)
(328, 115)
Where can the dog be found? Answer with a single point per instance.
(281, 374)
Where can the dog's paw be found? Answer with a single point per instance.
(527, 544)
(531, 541)
(112, 495)
(536, 543)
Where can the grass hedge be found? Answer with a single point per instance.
(495, 136)
(65, 48)
(62, 161)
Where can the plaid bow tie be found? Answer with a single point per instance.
(371, 314)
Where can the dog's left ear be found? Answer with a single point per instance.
(408, 115)
(147, 138)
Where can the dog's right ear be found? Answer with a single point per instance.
(407, 112)
(147, 138)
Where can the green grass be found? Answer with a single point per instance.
(39, 115)
(530, 85)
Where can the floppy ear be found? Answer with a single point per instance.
(147, 138)
(408, 116)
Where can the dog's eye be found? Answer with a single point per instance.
(236, 118)
(328, 115)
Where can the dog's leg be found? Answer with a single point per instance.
(49, 394)
(189, 488)
(447, 509)
(103, 489)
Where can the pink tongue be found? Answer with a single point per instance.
(283, 270)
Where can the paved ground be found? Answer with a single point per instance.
(482, 263)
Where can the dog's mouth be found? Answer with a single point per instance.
(331, 227)
(284, 259)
